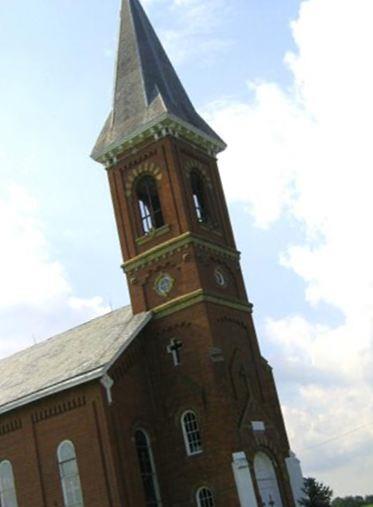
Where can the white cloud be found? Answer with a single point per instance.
(36, 297)
(305, 154)
(199, 30)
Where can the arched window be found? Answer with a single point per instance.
(69, 475)
(266, 479)
(8, 497)
(199, 196)
(147, 469)
(149, 204)
(205, 498)
(191, 432)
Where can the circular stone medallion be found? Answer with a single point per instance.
(163, 284)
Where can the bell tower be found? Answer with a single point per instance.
(161, 161)
(182, 264)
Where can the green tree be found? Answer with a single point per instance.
(316, 494)
(353, 501)
(348, 501)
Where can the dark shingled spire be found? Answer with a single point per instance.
(147, 89)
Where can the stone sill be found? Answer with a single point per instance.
(154, 233)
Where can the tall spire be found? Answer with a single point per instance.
(149, 98)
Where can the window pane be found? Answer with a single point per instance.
(192, 433)
(73, 491)
(205, 498)
(66, 452)
(8, 497)
(69, 468)
(147, 469)
(6, 475)
(69, 474)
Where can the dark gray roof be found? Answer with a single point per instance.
(71, 358)
(147, 87)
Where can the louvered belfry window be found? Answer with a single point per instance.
(149, 204)
(199, 196)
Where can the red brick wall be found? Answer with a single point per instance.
(227, 391)
(151, 393)
(77, 415)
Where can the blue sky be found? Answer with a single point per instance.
(291, 94)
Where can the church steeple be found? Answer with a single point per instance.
(198, 362)
(149, 99)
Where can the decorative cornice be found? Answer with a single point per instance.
(166, 125)
(198, 296)
(174, 244)
(10, 426)
(56, 409)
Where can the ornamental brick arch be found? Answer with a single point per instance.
(268, 446)
(195, 165)
(147, 168)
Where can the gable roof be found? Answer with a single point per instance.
(68, 359)
(147, 88)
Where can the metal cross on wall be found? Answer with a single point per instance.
(174, 348)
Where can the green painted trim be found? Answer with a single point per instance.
(231, 252)
(179, 302)
(173, 244)
(231, 303)
(165, 124)
(198, 296)
(154, 233)
(155, 252)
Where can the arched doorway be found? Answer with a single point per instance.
(267, 481)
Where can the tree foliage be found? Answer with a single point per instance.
(353, 501)
(316, 494)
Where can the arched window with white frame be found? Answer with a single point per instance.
(69, 475)
(147, 469)
(205, 497)
(191, 433)
(8, 496)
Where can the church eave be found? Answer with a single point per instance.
(167, 124)
(51, 390)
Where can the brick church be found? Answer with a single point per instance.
(167, 402)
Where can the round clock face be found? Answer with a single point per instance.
(163, 284)
(221, 278)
